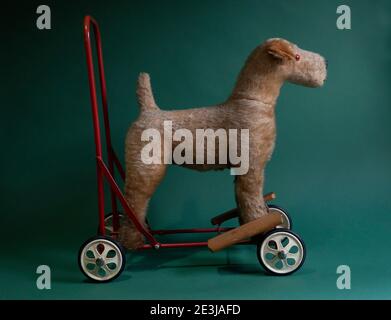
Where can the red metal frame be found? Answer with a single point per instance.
(107, 172)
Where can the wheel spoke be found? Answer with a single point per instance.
(274, 261)
(293, 255)
(278, 240)
(105, 251)
(95, 271)
(111, 260)
(285, 264)
(95, 250)
(271, 250)
(107, 269)
(289, 245)
(88, 259)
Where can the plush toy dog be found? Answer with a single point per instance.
(250, 106)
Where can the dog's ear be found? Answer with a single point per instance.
(279, 50)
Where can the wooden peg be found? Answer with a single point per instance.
(269, 196)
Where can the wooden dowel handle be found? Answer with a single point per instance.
(245, 231)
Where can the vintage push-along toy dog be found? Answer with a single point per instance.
(251, 107)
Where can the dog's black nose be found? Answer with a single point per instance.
(327, 63)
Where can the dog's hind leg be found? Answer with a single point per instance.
(140, 183)
(248, 192)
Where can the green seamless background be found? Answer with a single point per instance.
(330, 169)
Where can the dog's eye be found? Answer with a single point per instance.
(297, 57)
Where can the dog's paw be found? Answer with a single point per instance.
(129, 237)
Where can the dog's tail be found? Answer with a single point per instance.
(144, 92)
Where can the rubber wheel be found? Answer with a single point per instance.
(287, 224)
(109, 222)
(281, 252)
(101, 259)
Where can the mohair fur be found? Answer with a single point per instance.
(250, 106)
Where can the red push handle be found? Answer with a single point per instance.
(88, 22)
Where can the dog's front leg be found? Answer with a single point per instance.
(249, 191)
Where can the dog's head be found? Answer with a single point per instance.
(294, 64)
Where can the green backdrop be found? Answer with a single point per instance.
(330, 169)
